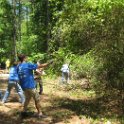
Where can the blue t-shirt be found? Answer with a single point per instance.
(25, 72)
(13, 75)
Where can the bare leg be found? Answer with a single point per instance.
(37, 102)
(38, 107)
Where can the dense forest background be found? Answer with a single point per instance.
(89, 34)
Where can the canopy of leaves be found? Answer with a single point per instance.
(89, 32)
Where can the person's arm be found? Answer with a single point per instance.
(45, 64)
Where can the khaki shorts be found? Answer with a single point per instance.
(32, 93)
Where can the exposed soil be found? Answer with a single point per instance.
(61, 105)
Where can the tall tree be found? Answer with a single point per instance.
(14, 53)
(19, 23)
(6, 28)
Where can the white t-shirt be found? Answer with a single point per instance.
(65, 68)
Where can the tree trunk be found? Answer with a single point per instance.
(19, 25)
(14, 51)
(47, 25)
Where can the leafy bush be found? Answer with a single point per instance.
(96, 29)
(37, 56)
(63, 55)
(103, 65)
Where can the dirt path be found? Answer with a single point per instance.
(60, 105)
(55, 114)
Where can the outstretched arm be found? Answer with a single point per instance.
(45, 64)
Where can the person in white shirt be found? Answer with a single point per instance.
(65, 73)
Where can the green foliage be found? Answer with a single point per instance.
(94, 29)
(34, 57)
(60, 57)
(103, 66)
(6, 29)
(29, 45)
(2, 50)
(84, 24)
(86, 33)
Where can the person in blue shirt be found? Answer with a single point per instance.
(13, 82)
(27, 82)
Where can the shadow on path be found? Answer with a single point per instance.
(63, 108)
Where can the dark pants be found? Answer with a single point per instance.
(39, 85)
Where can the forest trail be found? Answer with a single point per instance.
(61, 104)
(10, 111)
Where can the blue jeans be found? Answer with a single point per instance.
(18, 88)
(65, 77)
(1, 95)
